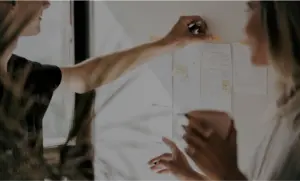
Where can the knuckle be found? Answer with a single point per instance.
(165, 154)
(172, 162)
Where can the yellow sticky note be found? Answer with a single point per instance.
(225, 85)
(180, 70)
(216, 38)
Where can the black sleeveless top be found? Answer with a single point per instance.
(41, 82)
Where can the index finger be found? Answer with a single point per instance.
(199, 127)
(189, 19)
(171, 145)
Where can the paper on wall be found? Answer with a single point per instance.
(246, 77)
(180, 70)
(216, 77)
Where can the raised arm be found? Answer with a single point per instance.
(97, 71)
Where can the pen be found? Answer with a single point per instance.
(197, 27)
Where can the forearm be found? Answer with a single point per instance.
(101, 70)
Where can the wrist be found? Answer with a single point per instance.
(169, 42)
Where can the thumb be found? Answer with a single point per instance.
(232, 135)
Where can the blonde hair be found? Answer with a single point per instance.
(280, 20)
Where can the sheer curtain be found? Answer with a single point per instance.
(53, 46)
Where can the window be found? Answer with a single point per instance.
(53, 46)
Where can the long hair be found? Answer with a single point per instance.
(18, 160)
(280, 20)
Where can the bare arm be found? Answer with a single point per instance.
(97, 71)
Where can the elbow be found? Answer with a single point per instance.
(82, 84)
(74, 80)
(79, 87)
(77, 80)
(81, 90)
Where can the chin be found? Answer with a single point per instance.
(32, 30)
(259, 56)
(259, 61)
(31, 34)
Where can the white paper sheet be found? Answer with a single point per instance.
(247, 78)
(216, 77)
(186, 78)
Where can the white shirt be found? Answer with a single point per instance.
(277, 156)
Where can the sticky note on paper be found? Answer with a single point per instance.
(225, 85)
(216, 38)
(180, 70)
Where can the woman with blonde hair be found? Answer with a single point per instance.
(273, 32)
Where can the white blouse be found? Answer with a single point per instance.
(277, 157)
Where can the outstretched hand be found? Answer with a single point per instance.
(180, 34)
(174, 163)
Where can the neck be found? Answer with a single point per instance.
(6, 56)
(4, 62)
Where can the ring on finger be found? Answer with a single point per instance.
(192, 150)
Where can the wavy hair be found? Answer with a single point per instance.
(280, 20)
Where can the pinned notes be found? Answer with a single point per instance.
(226, 85)
(214, 38)
(247, 78)
(180, 69)
(216, 77)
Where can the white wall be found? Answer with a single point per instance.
(127, 126)
(132, 23)
(141, 19)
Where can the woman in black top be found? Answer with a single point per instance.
(22, 18)
(44, 79)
